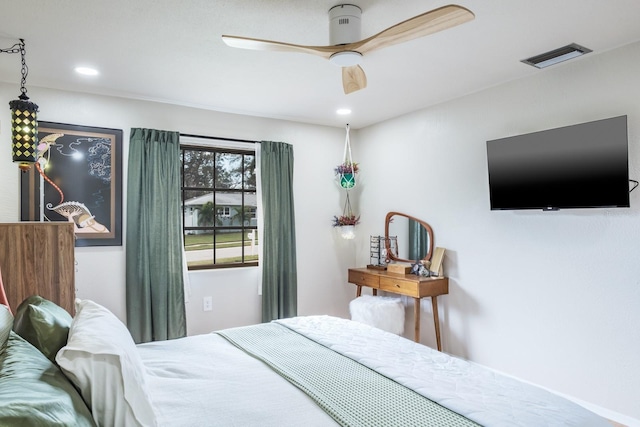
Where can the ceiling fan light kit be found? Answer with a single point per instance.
(348, 58)
(347, 49)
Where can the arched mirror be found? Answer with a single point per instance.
(414, 238)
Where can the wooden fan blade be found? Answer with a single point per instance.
(353, 79)
(427, 23)
(258, 44)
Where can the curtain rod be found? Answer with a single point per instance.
(219, 139)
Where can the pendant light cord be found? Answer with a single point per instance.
(20, 48)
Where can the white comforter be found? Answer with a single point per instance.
(205, 381)
(478, 393)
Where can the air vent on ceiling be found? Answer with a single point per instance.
(557, 55)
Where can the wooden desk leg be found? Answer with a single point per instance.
(359, 290)
(436, 321)
(416, 315)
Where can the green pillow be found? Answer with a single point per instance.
(6, 322)
(34, 392)
(44, 324)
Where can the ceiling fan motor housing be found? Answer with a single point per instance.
(344, 24)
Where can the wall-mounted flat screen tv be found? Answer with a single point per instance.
(579, 166)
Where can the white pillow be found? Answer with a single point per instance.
(101, 359)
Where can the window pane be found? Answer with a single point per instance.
(228, 171)
(198, 168)
(249, 172)
(198, 247)
(229, 246)
(251, 245)
(250, 204)
(229, 210)
(198, 208)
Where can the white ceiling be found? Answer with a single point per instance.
(171, 51)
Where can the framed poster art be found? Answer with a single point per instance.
(78, 178)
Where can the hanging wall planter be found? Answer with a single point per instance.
(346, 225)
(346, 177)
(346, 173)
(347, 170)
(347, 221)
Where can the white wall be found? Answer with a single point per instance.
(101, 270)
(550, 297)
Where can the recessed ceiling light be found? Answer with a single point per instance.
(343, 111)
(86, 71)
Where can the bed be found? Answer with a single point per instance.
(304, 371)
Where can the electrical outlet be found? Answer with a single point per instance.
(207, 304)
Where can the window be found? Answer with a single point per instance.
(219, 207)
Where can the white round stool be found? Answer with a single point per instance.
(386, 313)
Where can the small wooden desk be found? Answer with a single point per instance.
(404, 284)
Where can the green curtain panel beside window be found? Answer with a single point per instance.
(154, 277)
(279, 272)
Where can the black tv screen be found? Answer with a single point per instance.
(579, 166)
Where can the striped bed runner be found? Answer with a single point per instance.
(351, 393)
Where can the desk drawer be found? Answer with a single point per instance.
(363, 279)
(399, 286)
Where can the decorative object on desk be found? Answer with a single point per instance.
(421, 268)
(347, 170)
(82, 167)
(377, 253)
(416, 268)
(24, 120)
(399, 268)
(436, 262)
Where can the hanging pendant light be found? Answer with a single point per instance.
(24, 121)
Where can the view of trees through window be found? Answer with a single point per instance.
(219, 207)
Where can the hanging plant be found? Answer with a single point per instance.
(346, 173)
(347, 167)
(347, 170)
(345, 220)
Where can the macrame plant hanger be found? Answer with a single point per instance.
(347, 211)
(347, 172)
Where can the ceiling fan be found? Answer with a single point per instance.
(346, 49)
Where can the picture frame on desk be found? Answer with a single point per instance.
(82, 177)
(436, 262)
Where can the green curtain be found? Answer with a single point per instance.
(418, 241)
(279, 274)
(154, 280)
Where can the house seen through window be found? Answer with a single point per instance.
(219, 207)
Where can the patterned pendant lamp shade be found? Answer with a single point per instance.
(24, 123)
(24, 132)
